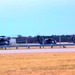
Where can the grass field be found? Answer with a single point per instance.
(37, 64)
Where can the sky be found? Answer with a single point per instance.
(37, 17)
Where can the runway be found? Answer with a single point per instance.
(38, 50)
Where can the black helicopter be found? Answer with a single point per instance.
(4, 40)
(73, 38)
(46, 40)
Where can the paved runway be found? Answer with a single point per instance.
(39, 50)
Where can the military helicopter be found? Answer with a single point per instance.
(4, 40)
(73, 38)
(46, 40)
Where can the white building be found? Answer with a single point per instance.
(12, 41)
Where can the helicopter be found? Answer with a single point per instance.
(46, 40)
(4, 40)
(73, 38)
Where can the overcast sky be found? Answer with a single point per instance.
(37, 17)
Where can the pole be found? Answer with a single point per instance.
(60, 40)
(43, 41)
(26, 42)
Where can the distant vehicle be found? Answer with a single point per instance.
(46, 40)
(4, 40)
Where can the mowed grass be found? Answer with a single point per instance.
(37, 64)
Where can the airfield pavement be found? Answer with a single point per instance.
(38, 50)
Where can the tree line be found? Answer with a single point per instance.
(58, 38)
